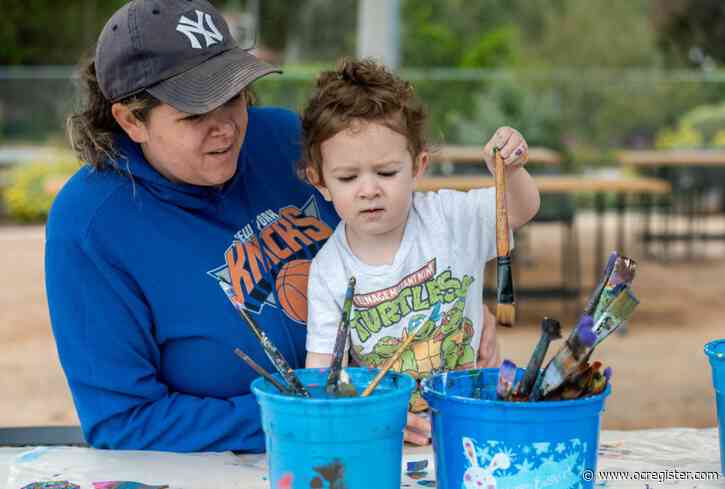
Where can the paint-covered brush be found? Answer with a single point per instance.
(600, 381)
(579, 382)
(505, 309)
(343, 331)
(550, 330)
(622, 276)
(506, 380)
(603, 280)
(262, 372)
(574, 351)
(274, 355)
(617, 312)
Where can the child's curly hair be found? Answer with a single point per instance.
(358, 91)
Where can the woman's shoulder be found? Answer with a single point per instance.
(82, 197)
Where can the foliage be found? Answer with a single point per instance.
(690, 32)
(44, 32)
(458, 33)
(32, 188)
(701, 127)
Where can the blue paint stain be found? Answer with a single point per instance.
(32, 455)
(417, 465)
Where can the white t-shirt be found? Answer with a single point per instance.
(434, 285)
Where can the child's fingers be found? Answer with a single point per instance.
(501, 140)
(516, 151)
(418, 430)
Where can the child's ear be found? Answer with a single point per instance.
(135, 129)
(421, 164)
(316, 179)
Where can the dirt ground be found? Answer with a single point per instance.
(661, 376)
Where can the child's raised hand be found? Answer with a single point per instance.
(513, 147)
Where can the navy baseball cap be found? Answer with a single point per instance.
(180, 51)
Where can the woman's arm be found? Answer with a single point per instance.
(105, 338)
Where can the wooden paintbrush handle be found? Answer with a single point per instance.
(502, 221)
(374, 383)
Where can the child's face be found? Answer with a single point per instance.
(368, 174)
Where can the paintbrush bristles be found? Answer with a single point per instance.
(505, 314)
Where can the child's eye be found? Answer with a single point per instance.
(347, 179)
(388, 173)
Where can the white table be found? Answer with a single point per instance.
(674, 451)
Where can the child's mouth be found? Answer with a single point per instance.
(375, 212)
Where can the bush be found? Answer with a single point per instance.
(32, 187)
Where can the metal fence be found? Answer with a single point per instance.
(594, 111)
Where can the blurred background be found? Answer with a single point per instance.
(603, 84)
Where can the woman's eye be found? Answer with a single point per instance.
(234, 99)
(388, 173)
(194, 118)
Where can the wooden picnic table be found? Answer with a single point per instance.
(473, 155)
(670, 165)
(675, 157)
(600, 186)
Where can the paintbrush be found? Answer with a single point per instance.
(506, 379)
(574, 351)
(274, 355)
(550, 330)
(616, 314)
(603, 280)
(412, 326)
(255, 366)
(505, 310)
(343, 330)
(622, 275)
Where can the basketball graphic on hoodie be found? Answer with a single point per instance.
(291, 288)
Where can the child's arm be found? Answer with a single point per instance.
(489, 351)
(522, 195)
(318, 360)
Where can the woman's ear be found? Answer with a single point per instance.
(421, 163)
(316, 179)
(135, 129)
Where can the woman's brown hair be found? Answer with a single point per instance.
(92, 129)
(358, 91)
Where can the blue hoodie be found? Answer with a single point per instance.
(136, 271)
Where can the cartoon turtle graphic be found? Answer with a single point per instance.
(444, 346)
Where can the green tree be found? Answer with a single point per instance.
(464, 33)
(690, 32)
(41, 32)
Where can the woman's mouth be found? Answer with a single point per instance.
(222, 151)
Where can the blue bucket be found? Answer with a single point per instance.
(351, 442)
(715, 351)
(480, 442)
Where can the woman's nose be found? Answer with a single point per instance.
(224, 123)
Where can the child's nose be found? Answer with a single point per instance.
(369, 188)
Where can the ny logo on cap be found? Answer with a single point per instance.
(188, 27)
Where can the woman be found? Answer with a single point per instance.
(187, 191)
